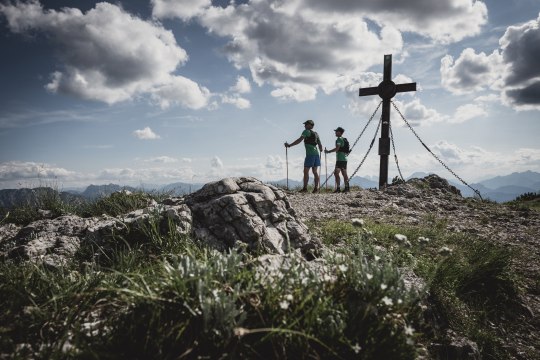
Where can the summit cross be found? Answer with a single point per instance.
(387, 89)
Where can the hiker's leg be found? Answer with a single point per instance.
(306, 177)
(336, 175)
(345, 176)
(316, 176)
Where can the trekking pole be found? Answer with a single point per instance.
(287, 162)
(326, 167)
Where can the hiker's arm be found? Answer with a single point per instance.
(296, 142)
(336, 149)
(320, 145)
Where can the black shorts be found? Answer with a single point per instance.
(341, 165)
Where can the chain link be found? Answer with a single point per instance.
(435, 156)
(370, 147)
(395, 153)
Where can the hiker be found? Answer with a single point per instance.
(313, 157)
(342, 150)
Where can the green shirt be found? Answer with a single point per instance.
(310, 149)
(340, 156)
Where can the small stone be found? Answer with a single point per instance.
(358, 222)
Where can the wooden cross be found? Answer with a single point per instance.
(387, 89)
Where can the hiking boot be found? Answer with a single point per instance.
(316, 190)
(346, 189)
(303, 190)
(338, 190)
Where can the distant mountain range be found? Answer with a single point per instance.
(500, 189)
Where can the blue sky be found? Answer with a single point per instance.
(160, 91)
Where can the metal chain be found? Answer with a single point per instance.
(395, 154)
(358, 138)
(365, 127)
(435, 156)
(367, 153)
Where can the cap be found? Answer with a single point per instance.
(310, 122)
(340, 129)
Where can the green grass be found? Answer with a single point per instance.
(154, 294)
(473, 290)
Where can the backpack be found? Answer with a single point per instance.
(312, 139)
(346, 147)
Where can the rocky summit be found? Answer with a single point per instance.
(222, 214)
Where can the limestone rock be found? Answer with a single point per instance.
(246, 210)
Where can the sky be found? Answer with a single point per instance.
(161, 91)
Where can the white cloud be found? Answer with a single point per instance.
(183, 9)
(443, 21)
(18, 171)
(146, 134)
(108, 54)
(470, 72)
(237, 101)
(298, 46)
(467, 112)
(521, 51)
(161, 159)
(512, 69)
(182, 91)
(294, 52)
(417, 114)
(242, 86)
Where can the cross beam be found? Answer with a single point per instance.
(387, 89)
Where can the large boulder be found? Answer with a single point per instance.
(246, 210)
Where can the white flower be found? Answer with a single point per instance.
(400, 238)
(409, 330)
(284, 304)
(356, 348)
(387, 301)
(423, 240)
(377, 258)
(383, 286)
(289, 297)
(445, 251)
(343, 268)
(369, 276)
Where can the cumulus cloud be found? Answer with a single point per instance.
(521, 51)
(417, 114)
(512, 69)
(298, 46)
(146, 134)
(295, 52)
(470, 72)
(242, 86)
(108, 54)
(183, 9)
(236, 100)
(18, 170)
(443, 21)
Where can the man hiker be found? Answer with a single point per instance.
(342, 150)
(313, 157)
